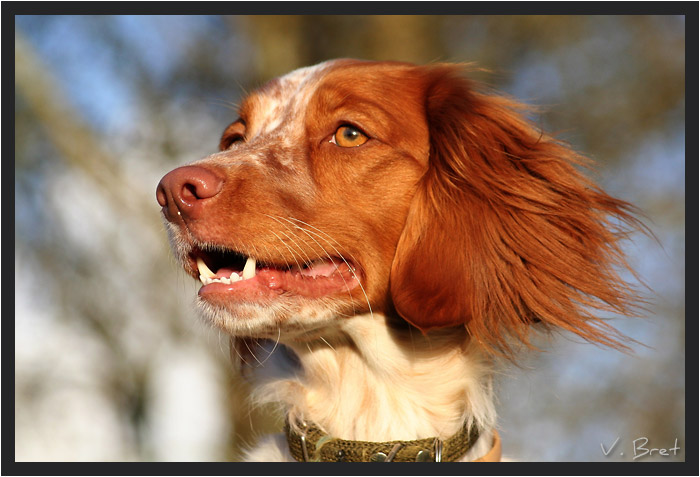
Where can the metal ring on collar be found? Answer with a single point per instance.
(302, 438)
(438, 450)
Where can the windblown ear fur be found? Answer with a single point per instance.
(503, 230)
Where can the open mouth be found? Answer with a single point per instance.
(241, 277)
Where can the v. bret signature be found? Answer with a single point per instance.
(639, 448)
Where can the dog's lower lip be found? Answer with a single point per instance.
(268, 284)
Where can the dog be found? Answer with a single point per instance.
(377, 238)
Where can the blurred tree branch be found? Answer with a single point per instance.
(72, 138)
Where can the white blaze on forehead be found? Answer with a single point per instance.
(275, 119)
(282, 104)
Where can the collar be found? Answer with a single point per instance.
(311, 444)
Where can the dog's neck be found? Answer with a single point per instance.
(368, 381)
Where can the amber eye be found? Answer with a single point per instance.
(349, 136)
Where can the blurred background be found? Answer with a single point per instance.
(112, 364)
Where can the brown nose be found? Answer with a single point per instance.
(182, 191)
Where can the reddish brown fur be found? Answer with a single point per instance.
(513, 232)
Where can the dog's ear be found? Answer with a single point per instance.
(504, 231)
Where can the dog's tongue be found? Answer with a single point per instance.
(322, 268)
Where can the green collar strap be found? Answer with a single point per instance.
(314, 445)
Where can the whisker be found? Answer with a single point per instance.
(245, 342)
(327, 240)
(225, 103)
(277, 249)
(314, 355)
(234, 348)
(288, 248)
(254, 253)
(352, 301)
(277, 342)
(294, 241)
(324, 340)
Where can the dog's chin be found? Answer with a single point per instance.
(286, 320)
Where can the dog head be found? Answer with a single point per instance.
(353, 187)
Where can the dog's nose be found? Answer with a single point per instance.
(182, 191)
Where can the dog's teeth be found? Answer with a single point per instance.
(204, 270)
(249, 269)
(206, 276)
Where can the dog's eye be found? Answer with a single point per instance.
(234, 133)
(349, 136)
